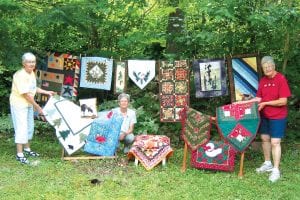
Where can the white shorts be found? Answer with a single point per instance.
(23, 122)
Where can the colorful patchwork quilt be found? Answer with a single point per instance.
(238, 124)
(173, 89)
(103, 139)
(141, 72)
(96, 72)
(150, 150)
(60, 75)
(71, 129)
(195, 128)
(210, 78)
(215, 155)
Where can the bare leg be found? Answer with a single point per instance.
(266, 145)
(276, 151)
(19, 148)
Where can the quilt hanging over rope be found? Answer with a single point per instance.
(141, 72)
(120, 77)
(60, 75)
(71, 129)
(150, 150)
(96, 72)
(173, 89)
(210, 78)
(238, 124)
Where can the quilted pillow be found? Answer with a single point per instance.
(103, 139)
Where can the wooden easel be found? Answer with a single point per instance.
(84, 157)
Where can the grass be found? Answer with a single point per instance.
(53, 178)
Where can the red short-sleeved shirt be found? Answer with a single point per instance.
(272, 89)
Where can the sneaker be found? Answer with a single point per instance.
(31, 153)
(275, 175)
(23, 160)
(264, 168)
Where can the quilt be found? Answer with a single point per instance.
(210, 78)
(96, 72)
(173, 89)
(103, 139)
(238, 123)
(71, 140)
(141, 72)
(195, 128)
(214, 155)
(150, 150)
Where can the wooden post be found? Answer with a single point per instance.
(183, 168)
(241, 173)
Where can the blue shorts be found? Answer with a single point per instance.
(273, 127)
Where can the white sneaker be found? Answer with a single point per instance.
(275, 175)
(265, 167)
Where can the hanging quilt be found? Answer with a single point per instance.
(120, 77)
(70, 141)
(210, 78)
(238, 124)
(61, 75)
(103, 139)
(244, 77)
(173, 89)
(150, 150)
(215, 155)
(141, 72)
(195, 128)
(96, 72)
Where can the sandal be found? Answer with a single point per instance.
(23, 160)
(31, 153)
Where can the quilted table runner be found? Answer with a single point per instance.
(173, 89)
(238, 124)
(195, 128)
(96, 72)
(70, 130)
(150, 150)
(141, 72)
(216, 155)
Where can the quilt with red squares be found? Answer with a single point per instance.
(173, 89)
(238, 124)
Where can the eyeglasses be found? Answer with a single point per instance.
(30, 61)
(268, 67)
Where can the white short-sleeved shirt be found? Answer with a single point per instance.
(23, 82)
(129, 119)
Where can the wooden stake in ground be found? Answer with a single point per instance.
(183, 168)
(241, 172)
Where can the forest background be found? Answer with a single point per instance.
(153, 29)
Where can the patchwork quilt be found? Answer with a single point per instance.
(150, 150)
(238, 124)
(215, 155)
(173, 89)
(103, 139)
(71, 129)
(195, 128)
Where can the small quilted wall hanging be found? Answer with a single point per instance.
(120, 77)
(195, 128)
(70, 141)
(173, 89)
(141, 72)
(244, 76)
(96, 72)
(238, 124)
(214, 155)
(210, 78)
(88, 107)
(150, 150)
